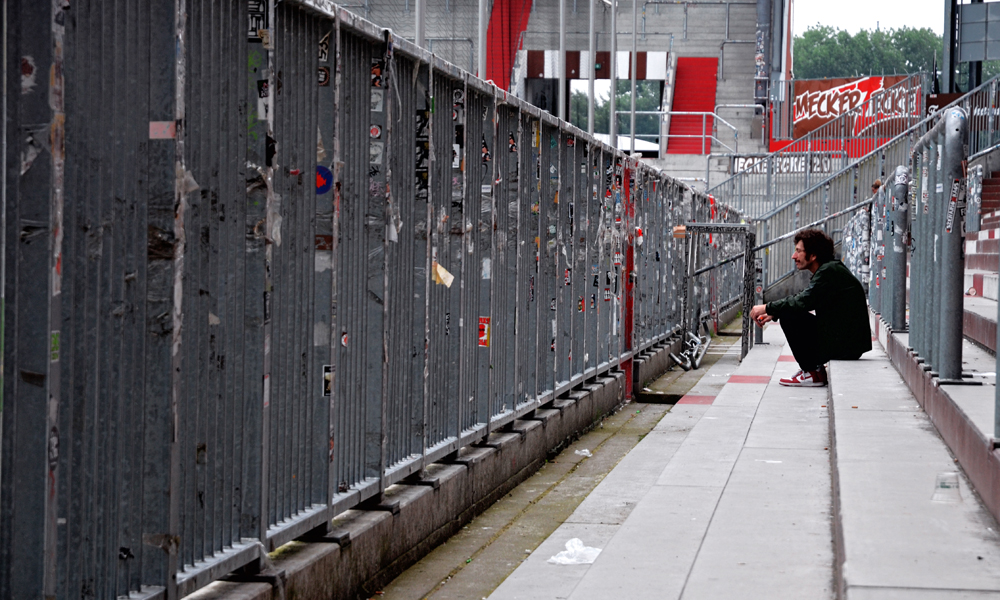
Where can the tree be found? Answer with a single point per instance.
(827, 52)
(647, 98)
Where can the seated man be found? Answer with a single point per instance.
(838, 331)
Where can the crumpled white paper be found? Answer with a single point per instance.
(575, 554)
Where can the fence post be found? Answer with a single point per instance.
(956, 139)
(895, 308)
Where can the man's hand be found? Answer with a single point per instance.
(759, 315)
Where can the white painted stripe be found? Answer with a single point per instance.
(586, 64)
(622, 65)
(552, 64)
(656, 65)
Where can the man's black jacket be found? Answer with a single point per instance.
(841, 310)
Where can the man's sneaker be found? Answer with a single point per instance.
(815, 378)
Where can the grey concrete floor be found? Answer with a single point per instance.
(471, 564)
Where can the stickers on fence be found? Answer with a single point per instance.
(952, 205)
(324, 48)
(484, 332)
(257, 13)
(324, 180)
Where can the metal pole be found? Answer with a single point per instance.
(632, 69)
(613, 115)
(896, 259)
(591, 68)
(481, 41)
(561, 113)
(933, 246)
(956, 137)
(420, 38)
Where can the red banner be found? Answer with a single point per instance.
(819, 101)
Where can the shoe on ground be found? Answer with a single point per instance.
(815, 378)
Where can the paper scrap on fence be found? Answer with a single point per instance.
(442, 276)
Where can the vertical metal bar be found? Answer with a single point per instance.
(896, 261)
(420, 27)
(632, 76)
(933, 235)
(613, 114)
(956, 139)
(483, 23)
(561, 95)
(592, 67)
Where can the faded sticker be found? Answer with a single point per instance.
(327, 380)
(487, 268)
(375, 152)
(54, 345)
(257, 15)
(377, 100)
(324, 179)
(29, 154)
(262, 99)
(323, 76)
(162, 130)
(456, 156)
(484, 332)
(324, 48)
(28, 74)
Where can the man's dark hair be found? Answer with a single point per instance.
(815, 242)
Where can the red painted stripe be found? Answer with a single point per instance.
(696, 400)
(750, 379)
(786, 358)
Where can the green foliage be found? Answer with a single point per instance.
(827, 52)
(647, 98)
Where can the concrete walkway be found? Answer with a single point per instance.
(747, 489)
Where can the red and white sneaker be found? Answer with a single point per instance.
(815, 378)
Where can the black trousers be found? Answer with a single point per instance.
(810, 350)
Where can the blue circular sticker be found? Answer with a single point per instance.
(324, 179)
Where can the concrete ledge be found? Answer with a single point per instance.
(980, 328)
(973, 448)
(653, 362)
(377, 545)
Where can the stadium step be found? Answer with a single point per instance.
(694, 92)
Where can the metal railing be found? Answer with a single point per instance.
(708, 128)
(253, 283)
(771, 180)
(846, 187)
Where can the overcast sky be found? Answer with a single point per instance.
(853, 15)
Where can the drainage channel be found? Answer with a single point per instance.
(472, 563)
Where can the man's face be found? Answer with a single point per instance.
(799, 256)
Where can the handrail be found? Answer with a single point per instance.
(819, 140)
(702, 114)
(937, 115)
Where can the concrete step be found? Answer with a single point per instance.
(979, 320)
(911, 524)
(981, 283)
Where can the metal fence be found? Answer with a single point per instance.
(760, 184)
(838, 192)
(938, 263)
(254, 275)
